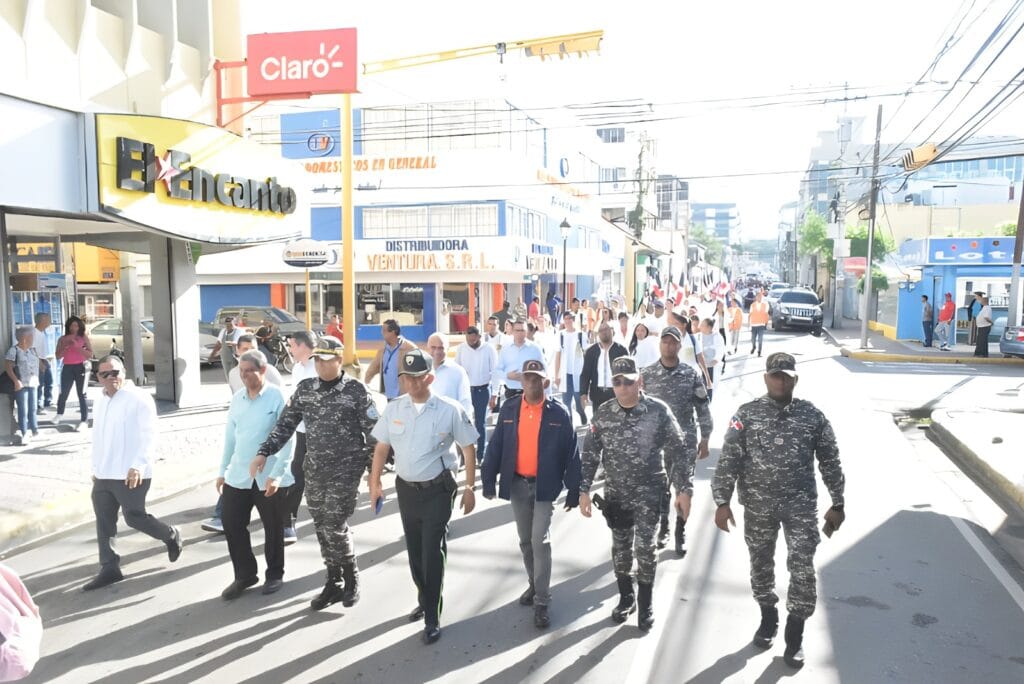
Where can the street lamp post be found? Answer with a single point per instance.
(565, 226)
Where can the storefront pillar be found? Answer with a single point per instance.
(7, 423)
(176, 316)
(471, 289)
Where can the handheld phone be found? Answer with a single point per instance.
(378, 505)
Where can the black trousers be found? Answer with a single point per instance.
(599, 395)
(73, 374)
(238, 504)
(296, 490)
(981, 342)
(426, 509)
(110, 496)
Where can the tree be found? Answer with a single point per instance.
(882, 247)
(1008, 229)
(879, 281)
(812, 238)
(715, 251)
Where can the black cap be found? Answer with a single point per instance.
(415, 362)
(672, 331)
(781, 362)
(625, 366)
(328, 347)
(535, 367)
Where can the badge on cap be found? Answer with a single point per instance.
(409, 360)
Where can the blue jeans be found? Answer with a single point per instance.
(26, 400)
(927, 326)
(481, 397)
(756, 337)
(571, 392)
(45, 395)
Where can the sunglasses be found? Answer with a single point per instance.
(109, 374)
(620, 382)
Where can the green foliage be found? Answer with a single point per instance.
(1008, 229)
(858, 237)
(715, 250)
(811, 239)
(879, 281)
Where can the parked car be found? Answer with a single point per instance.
(797, 309)
(250, 318)
(1011, 341)
(774, 291)
(102, 335)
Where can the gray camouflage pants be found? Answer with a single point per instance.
(329, 504)
(640, 538)
(761, 530)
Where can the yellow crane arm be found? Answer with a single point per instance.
(561, 46)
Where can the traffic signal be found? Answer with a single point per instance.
(919, 157)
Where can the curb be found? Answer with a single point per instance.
(1008, 495)
(858, 355)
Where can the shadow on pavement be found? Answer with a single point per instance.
(727, 665)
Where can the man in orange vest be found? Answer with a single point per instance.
(758, 322)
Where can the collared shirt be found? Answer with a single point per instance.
(301, 371)
(41, 343)
(478, 363)
(273, 377)
(604, 367)
(498, 341)
(512, 358)
(123, 434)
(249, 423)
(423, 440)
(389, 368)
(528, 437)
(450, 380)
(570, 346)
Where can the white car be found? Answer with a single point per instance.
(773, 293)
(103, 334)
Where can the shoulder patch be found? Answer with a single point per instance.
(371, 412)
(700, 392)
(736, 424)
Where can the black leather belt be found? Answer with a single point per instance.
(477, 387)
(427, 484)
(528, 479)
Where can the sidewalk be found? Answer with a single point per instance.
(882, 349)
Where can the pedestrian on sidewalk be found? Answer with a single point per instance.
(735, 324)
(714, 354)
(946, 316)
(532, 456)
(480, 361)
(984, 323)
(927, 320)
(75, 350)
(227, 338)
(631, 436)
(339, 413)
(758, 322)
(244, 482)
(124, 438)
(769, 451)
(47, 361)
(421, 427)
(22, 368)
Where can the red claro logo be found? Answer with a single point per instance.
(302, 62)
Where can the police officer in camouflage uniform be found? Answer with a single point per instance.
(769, 454)
(627, 437)
(678, 385)
(339, 414)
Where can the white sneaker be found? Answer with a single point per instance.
(25, 438)
(81, 426)
(58, 418)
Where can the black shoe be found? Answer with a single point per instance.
(662, 540)
(332, 591)
(627, 602)
(794, 654)
(174, 545)
(764, 637)
(680, 537)
(104, 579)
(645, 616)
(350, 595)
(540, 617)
(235, 589)
(272, 586)
(526, 598)
(416, 614)
(431, 633)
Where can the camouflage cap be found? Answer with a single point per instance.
(626, 367)
(781, 362)
(328, 347)
(415, 362)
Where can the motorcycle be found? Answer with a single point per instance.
(278, 353)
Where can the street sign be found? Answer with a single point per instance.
(305, 254)
(307, 62)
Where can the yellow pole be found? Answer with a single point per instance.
(348, 286)
(309, 304)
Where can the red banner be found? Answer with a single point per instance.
(302, 62)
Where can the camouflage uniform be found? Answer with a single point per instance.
(683, 390)
(339, 415)
(628, 443)
(768, 455)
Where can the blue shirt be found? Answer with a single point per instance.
(423, 441)
(451, 380)
(389, 368)
(512, 358)
(249, 423)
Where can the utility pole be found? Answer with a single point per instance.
(1013, 315)
(866, 304)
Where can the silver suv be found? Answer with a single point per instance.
(797, 309)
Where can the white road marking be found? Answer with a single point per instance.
(997, 570)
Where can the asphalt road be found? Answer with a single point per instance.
(913, 588)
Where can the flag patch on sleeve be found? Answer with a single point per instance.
(735, 423)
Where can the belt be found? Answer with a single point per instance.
(479, 387)
(427, 484)
(523, 477)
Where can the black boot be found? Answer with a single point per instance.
(680, 537)
(769, 627)
(645, 618)
(627, 602)
(794, 655)
(332, 592)
(350, 594)
(663, 532)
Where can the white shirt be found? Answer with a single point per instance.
(233, 337)
(41, 344)
(604, 367)
(450, 380)
(618, 336)
(499, 340)
(984, 317)
(300, 372)
(648, 351)
(654, 324)
(714, 348)
(123, 434)
(478, 363)
(571, 346)
(688, 352)
(235, 378)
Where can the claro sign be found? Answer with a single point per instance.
(303, 62)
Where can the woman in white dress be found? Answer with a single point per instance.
(644, 347)
(714, 352)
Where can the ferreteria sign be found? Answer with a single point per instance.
(139, 169)
(195, 182)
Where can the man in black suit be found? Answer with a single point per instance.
(596, 376)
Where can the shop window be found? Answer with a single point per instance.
(402, 302)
